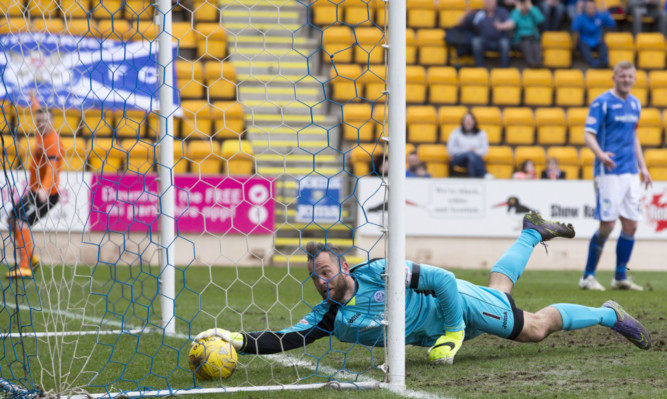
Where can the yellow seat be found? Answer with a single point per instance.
(557, 49)
(443, 85)
(474, 85)
(220, 80)
(344, 83)
(80, 27)
(211, 38)
(432, 47)
(569, 86)
(369, 48)
(576, 122)
(94, 122)
(114, 29)
(421, 13)
(450, 12)
(640, 89)
(649, 128)
(534, 153)
(337, 44)
(66, 122)
(129, 123)
(12, 8)
(568, 160)
(363, 156)
(49, 25)
(656, 161)
(598, 81)
(204, 157)
(538, 87)
(621, 47)
(42, 8)
(106, 155)
(374, 80)
(190, 79)
(180, 161)
(138, 9)
(410, 45)
(239, 157)
(146, 30)
(105, 9)
(229, 119)
(519, 125)
(449, 118)
(650, 50)
(358, 12)
(658, 87)
(140, 156)
(358, 124)
(197, 122)
(436, 159)
(587, 159)
(551, 126)
(489, 120)
(15, 25)
(500, 161)
(327, 12)
(183, 34)
(505, 86)
(381, 12)
(422, 124)
(74, 152)
(207, 11)
(415, 88)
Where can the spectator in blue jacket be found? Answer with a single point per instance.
(589, 25)
(491, 26)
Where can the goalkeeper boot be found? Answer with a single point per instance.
(19, 272)
(629, 327)
(445, 348)
(547, 228)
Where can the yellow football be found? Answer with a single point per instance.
(212, 358)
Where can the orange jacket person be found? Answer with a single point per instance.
(44, 177)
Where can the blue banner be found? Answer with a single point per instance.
(319, 199)
(77, 72)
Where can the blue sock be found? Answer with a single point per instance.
(623, 251)
(514, 260)
(579, 316)
(594, 252)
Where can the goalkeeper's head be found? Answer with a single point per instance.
(42, 118)
(330, 272)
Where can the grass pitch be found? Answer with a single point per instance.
(585, 363)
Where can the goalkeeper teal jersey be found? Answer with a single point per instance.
(435, 302)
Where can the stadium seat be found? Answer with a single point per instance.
(621, 47)
(184, 34)
(436, 159)
(576, 122)
(568, 160)
(358, 125)
(327, 12)
(650, 50)
(93, 122)
(505, 86)
(105, 155)
(656, 161)
(16, 25)
(598, 81)
(422, 124)
(640, 89)
(443, 85)
(415, 88)
(649, 128)
(557, 49)
(239, 157)
(381, 12)
(337, 44)
(551, 126)
(421, 13)
(211, 38)
(379, 120)
(207, 11)
(74, 153)
(66, 122)
(204, 157)
(197, 119)
(534, 153)
(362, 157)
(374, 82)
(190, 79)
(42, 8)
(410, 45)
(344, 83)
(474, 86)
(12, 8)
(145, 30)
(180, 161)
(358, 12)
(658, 86)
(449, 118)
(519, 125)
(220, 80)
(114, 29)
(80, 27)
(500, 161)
(140, 156)
(139, 9)
(129, 123)
(450, 12)
(432, 47)
(587, 159)
(105, 9)
(49, 25)
(569, 86)
(369, 48)
(537, 87)
(229, 119)
(489, 120)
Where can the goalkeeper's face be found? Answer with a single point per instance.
(331, 278)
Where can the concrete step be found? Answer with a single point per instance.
(296, 241)
(299, 259)
(297, 171)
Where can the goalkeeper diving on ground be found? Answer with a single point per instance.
(441, 312)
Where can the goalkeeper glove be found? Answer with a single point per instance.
(234, 338)
(445, 347)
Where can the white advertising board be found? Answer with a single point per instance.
(495, 208)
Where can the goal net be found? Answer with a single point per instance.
(273, 111)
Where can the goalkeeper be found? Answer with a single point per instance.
(441, 311)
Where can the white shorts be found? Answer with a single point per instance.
(618, 195)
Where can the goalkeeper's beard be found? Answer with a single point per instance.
(336, 288)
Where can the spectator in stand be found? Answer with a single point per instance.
(413, 162)
(526, 171)
(466, 146)
(527, 32)
(553, 14)
(572, 8)
(646, 8)
(491, 26)
(588, 25)
(553, 172)
(421, 170)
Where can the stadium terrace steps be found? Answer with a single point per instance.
(297, 259)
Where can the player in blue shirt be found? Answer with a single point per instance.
(440, 310)
(611, 134)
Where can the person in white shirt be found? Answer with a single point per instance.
(467, 145)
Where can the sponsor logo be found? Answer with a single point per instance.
(656, 211)
(408, 276)
(616, 106)
(378, 296)
(626, 118)
(303, 321)
(353, 318)
(591, 120)
(505, 320)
